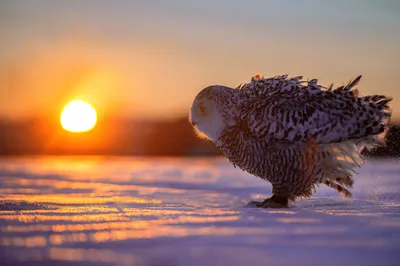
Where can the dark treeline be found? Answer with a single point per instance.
(123, 137)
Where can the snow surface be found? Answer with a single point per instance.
(175, 211)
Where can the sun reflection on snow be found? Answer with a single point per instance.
(298, 220)
(91, 255)
(117, 230)
(145, 232)
(112, 225)
(35, 241)
(78, 199)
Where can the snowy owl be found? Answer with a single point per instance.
(295, 134)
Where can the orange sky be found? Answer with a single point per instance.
(136, 60)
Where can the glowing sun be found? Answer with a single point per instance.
(78, 116)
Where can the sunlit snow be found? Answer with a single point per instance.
(171, 211)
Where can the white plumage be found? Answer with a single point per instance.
(295, 134)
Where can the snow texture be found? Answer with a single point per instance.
(169, 211)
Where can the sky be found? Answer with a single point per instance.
(149, 59)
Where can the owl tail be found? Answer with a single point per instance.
(341, 159)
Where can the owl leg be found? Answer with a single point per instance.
(276, 201)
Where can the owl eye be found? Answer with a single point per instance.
(203, 109)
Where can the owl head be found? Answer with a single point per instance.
(212, 112)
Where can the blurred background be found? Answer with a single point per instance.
(140, 64)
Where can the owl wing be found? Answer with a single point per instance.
(289, 111)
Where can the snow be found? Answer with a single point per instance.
(180, 211)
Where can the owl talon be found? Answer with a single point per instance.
(256, 203)
(274, 205)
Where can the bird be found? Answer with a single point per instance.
(294, 133)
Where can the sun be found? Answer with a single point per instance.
(78, 116)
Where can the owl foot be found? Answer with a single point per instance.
(275, 201)
(256, 203)
(274, 205)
